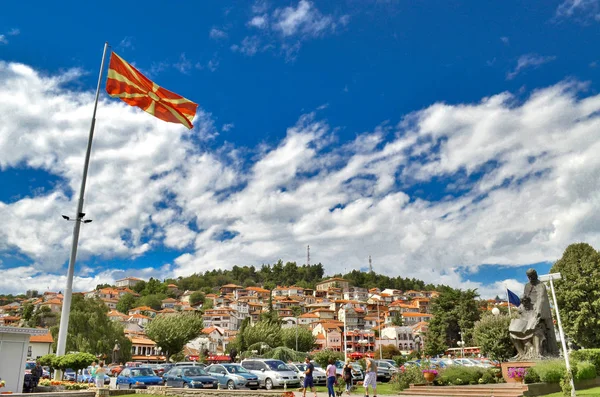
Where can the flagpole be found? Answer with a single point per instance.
(68, 293)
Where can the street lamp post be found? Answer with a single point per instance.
(296, 333)
(461, 344)
(418, 344)
(346, 307)
(551, 277)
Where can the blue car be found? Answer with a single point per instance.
(86, 377)
(190, 378)
(233, 376)
(138, 378)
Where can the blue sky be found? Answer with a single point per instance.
(450, 140)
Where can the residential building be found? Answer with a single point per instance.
(168, 303)
(356, 293)
(414, 318)
(220, 317)
(39, 345)
(145, 349)
(307, 319)
(335, 282)
(128, 282)
(229, 288)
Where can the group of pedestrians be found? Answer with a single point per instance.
(98, 371)
(370, 377)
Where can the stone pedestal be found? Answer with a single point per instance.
(514, 364)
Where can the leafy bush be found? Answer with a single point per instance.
(531, 376)
(410, 375)
(456, 375)
(487, 377)
(322, 358)
(399, 360)
(551, 371)
(285, 354)
(592, 355)
(584, 370)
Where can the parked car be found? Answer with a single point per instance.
(233, 376)
(29, 366)
(319, 376)
(271, 373)
(190, 378)
(160, 369)
(465, 362)
(385, 370)
(357, 372)
(86, 377)
(189, 364)
(70, 375)
(138, 378)
(115, 369)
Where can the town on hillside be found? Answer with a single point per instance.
(371, 318)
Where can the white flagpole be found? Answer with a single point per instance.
(68, 293)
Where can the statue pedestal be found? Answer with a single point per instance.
(514, 364)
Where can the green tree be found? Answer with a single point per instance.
(263, 332)
(153, 301)
(207, 305)
(390, 351)
(578, 293)
(306, 340)
(196, 298)
(154, 287)
(324, 356)
(27, 312)
(91, 331)
(296, 310)
(397, 321)
(172, 332)
(491, 334)
(126, 303)
(454, 312)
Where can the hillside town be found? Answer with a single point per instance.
(371, 318)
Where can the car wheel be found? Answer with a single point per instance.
(129, 386)
(268, 384)
(186, 385)
(230, 385)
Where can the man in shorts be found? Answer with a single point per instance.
(370, 377)
(308, 378)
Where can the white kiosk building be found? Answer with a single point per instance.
(14, 343)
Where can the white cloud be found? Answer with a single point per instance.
(526, 172)
(227, 127)
(184, 65)
(259, 21)
(249, 46)
(580, 8)
(217, 34)
(505, 40)
(126, 43)
(3, 39)
(287, 27)
(529, 61)
(14, 32)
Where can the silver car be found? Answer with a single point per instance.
(319, 376)
(272, 373)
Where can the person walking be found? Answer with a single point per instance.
(330, 378)
(100, 372)
(38, 373)
(347, 374)
(308, 378)
(371, 377)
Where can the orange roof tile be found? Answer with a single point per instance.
(44, 338)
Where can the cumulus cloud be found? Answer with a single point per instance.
(517, 183)
(585, 9)
(528, 61)
(217, 34)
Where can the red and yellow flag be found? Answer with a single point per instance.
(127, 83)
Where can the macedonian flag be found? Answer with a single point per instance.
(127, 83)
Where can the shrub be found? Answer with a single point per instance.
(488, 377)
(584, 370)
(531, 376)
(399, 360)
(456, 375)
(322, 358)
(592, 355)
(551, 371)
(410, 375)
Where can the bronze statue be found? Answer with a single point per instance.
(532, 332)
(116, 354)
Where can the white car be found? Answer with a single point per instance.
(319, 376)
(465, 362)
(272, 373)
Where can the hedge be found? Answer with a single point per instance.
(591, 355)
(551, 371)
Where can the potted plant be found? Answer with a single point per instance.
(517, 373)
(429, 374)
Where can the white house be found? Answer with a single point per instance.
(39, 345)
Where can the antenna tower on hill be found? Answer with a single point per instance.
(308, 255)
(370, 265)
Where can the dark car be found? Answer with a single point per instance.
(138, 378)
(190, 378)
(233, 376)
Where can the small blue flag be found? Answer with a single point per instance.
(513, 298)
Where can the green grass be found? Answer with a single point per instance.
(594, 392)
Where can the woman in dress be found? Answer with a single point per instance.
(100, 372)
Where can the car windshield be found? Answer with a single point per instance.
(29, 365)
(356, 367)
(301, 367)
(142, 372)
(383, 364)
(193, 371)
(277, 365)
(235, 369)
